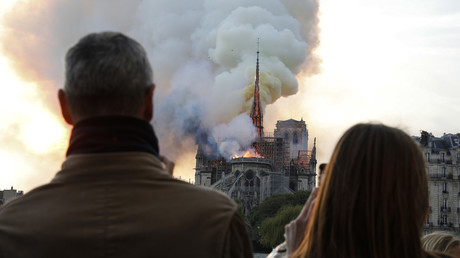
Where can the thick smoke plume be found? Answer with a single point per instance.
(203, 53)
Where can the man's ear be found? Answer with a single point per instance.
(64, 107)
(148, 104)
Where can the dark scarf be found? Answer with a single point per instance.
(112, 134)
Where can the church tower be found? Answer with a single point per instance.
(256, 112)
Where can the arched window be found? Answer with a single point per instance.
(286, 136)
(295, 140)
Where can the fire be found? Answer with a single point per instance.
(248, 154)
(251, 153)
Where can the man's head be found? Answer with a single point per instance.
(107, 74)
(322, 168)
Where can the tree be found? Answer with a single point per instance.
(272, 229)
(270, 208)
(239, 209)
(271, 205)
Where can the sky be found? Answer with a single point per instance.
(394, 62)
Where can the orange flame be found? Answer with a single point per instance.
(251, 153)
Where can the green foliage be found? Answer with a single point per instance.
(300, 198)
(271, 206)
(240, 209)
(272, 229)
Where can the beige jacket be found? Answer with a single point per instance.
(121, 205)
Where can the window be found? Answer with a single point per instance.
(444, 219)
(443, 157)
(458, 156)
(444, 172)
(444, 205)
(294, 138)
(286, 136)
(427, 156)
(444, 187)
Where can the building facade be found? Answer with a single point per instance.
(9, 194)
(283, 165)
(442, 159)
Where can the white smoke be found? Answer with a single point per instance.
(213, 57)
(203, 53)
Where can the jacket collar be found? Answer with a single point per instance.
(108, 134)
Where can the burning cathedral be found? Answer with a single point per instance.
(281, 162)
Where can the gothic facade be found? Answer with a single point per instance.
(283, 163)
(277, 170)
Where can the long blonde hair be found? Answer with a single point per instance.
(373, 199)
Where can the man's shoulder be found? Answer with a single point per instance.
(31, 197)
(206, 196)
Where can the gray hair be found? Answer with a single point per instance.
(107, 73)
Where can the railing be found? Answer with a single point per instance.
(445, 192)
(445, 209)
(441, 176)
(440, 225)
(447, 225)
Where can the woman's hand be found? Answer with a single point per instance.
(295, 230)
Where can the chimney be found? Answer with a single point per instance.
(424, 138)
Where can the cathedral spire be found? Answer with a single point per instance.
(256, 112)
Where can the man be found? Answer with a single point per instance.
(322, 168)
(113, 197)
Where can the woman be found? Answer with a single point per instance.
(372, 202)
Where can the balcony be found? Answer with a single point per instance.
(446, 209)
(441, 176)
(445, 192)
